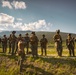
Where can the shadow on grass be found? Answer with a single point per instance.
(30, 67)
(37, 70)
(32, 70)
(71, 61)
(9, 56)
(62, 60)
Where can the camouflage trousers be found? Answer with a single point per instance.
(71, 50)
(13, 48)
(34, 50)
(43, 50)
(59, 48)
(4, 47)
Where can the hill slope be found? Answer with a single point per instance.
(49, 35)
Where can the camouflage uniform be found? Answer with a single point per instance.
(4, 43)
(58, 42)
(70, 45)
(13, 42)
(9, 42)
(43, 43)
(34, 44)
(27, 40)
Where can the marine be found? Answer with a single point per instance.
(27, 40)
(9, 42)
(70, 45)
(43, 43)
(34, 44)
(58, 42)
(4, 43)
(13, 42)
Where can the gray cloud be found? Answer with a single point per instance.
(14, 4)
(4, 18)
(7, 22)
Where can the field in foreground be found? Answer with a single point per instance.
(43, 65)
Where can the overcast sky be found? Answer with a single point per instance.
(38, 15)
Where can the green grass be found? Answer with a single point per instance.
(43, 65)
(39, 66)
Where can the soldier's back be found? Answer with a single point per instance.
(13, 39)
(57, 36)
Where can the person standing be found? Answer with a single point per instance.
(70, 45)
(27, 40)
(21, 53)
(9, 42)
(4, 43)
(43, 43)
(13, 41)
(58, 42)
(34, 44)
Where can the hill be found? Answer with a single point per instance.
(49, 35)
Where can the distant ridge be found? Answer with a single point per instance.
(17, 32)
(49, 35)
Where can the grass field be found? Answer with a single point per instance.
(51, 51)
(43, 65)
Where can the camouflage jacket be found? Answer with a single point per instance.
(43, 42)
(57, 38)
(34, 39)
